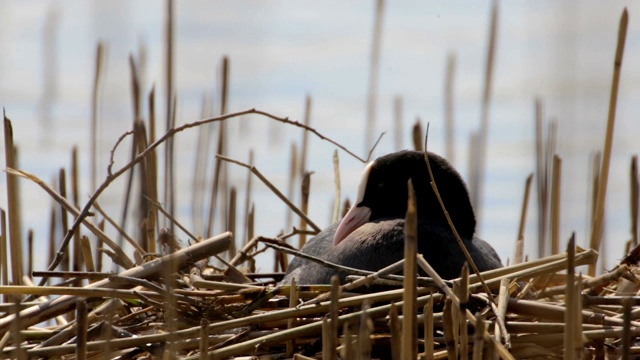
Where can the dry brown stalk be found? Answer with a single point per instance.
(519, 253)
(374, 70)
(304, 206)
(477, 190)
(416, 134)
(608, 142)
(428, 324)
(555, 205)
(336, 178)
(13, 200)
(409, 309)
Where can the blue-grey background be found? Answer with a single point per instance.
(281, 51)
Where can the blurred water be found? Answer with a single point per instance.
(281, 51)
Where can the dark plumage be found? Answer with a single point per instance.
(371, 235)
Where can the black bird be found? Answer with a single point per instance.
(371, 235)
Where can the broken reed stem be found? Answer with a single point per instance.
(82, 328)
(555, 204)
(477, 191)
(570, 302)
(449, 109)
(248, 207)
(462, 319)
(302, 169)
(333, 318)
(231, 226)
(397, 123)
(304, 205)
(4, 263)
(542, 179)
(409, 309)
(294, 296)
(374, 71)
(395, 333)
(219, 168)
(608, 142)
(519, 253)
(428, 329)
(635, 198)
(416, 134)
(275, 190)
(13, 199)
(293, 179)
(95, 95)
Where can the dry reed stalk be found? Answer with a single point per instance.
(327, 350)
(219, 167)
(478, 344)
(463, 294)
(34, 315)
(292, 179)
(570, 303)
(232, 221)
(579, 340)
(248, 205)
(626, 328)
(82, 328)
(4, 264)
(348, 351)
(333, 317)
(555, 204)
(503, 297)
(542, 179)
(200, 166)
(606, 157)
(635, 199)
(336, 178)
(294, 296)
(428, 324)
(152, 166)
(449, 108)
(87, 256)
(397, 123)
(416, 135)
(519, 252)
(395, 333)
(449, 333)
(364, 335)
(304, 206)
(275, 190)
(204, 338)
(64, 219)
(374, 72)
(13, 200)
(170, 102)
(75, 189)
(477, 191)
(302, 163)
(409, 309)
(30, 251)
(95, 96)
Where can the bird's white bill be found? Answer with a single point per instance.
(357, 215)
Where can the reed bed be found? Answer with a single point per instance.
(205, 299)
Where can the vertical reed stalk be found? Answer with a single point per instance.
(397, 123)
(477, 192)
(374, 70)
(409, 309)
(608, 142)
(519, 253)
(13, 200)
(555, 205)
(449, 109)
